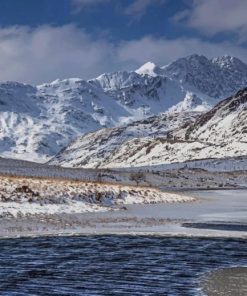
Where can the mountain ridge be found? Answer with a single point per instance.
(36, 122)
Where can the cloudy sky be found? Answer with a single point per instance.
(41, 40)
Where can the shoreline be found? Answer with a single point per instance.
(130, 220)
(34, 207)
(228, 235)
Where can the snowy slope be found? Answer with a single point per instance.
(36, 122)
(219, 133)
(93, 149)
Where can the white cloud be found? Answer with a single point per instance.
(163, 51)
(216, 16)
(46, 53)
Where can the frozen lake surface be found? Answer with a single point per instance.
(113, 265)
(212, 205)
(216, 213)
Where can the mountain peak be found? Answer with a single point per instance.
(150, 69)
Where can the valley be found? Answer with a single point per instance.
(79, 154)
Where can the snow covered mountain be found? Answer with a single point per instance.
(219, 133)
(36, 122)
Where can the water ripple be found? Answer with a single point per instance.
(113, 265)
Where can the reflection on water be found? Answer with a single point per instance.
(226, 282)
(113, 265)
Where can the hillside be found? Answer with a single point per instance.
(219, 133)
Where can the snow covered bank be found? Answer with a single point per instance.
(30, 196)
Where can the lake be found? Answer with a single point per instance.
(113, 264)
